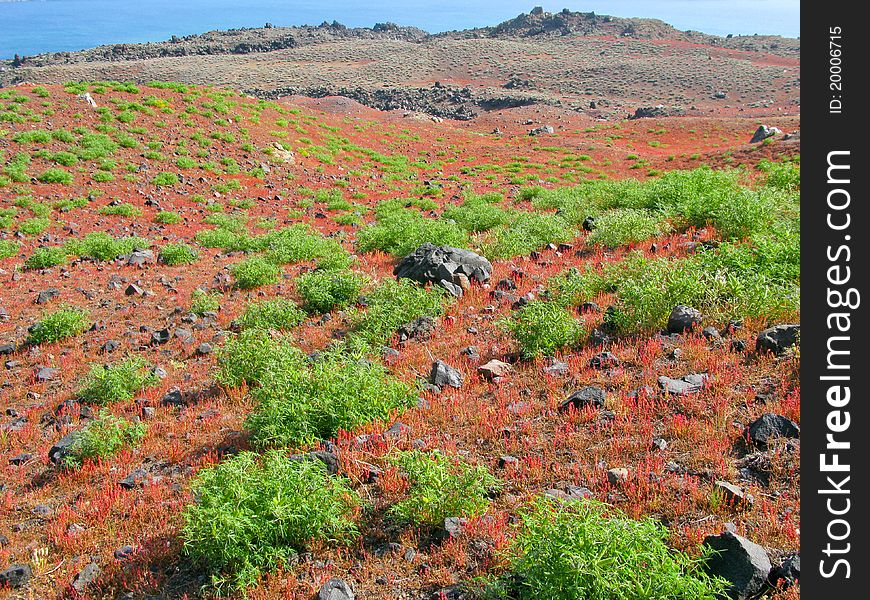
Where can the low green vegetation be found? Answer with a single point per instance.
(254, 272)
(174, 254)
(280, 313)
(441, 486)
(202, 302)
(102, 246)
(323, 291)
(586, 550)
(114, 383)
(392, 304)
(8, 248)
(102, 438)
(400, 231)
(254, 513)
(44, 258)
(543, 327)
(61, 324)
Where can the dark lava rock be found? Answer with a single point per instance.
(443, 374)
(86, 577)
(683, 318)
(15, 576)
(329, 459)
(738, 346)
(586, 396)
(778, 338)
(688, 384)
(453, 526)
(543, 129)
(47, 295)
(133, 479)
(763, 132)
(786, 574)
(335, 589)
(46, 373)
(421, 329)
(20, 459)
(599, 338)
(110, 346)
(507, 460)
(161, 336)
(124, 552)
(442, 265)
(60, 450)
(589, 307)
(134, 290)
(572, 492)
(506, 285)
(588, 223)
(556, 368)
(743, 563)
(7, 349)
(769, 426)
(734, 495)
(604, 360)
(173, 397)
(711, 334)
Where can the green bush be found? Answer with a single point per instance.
(44, 258)
(202, 302)
(526, 233)
(105, 176)
(586, 550)
(114, 383)
(101, 438)
(392, 304)
(299, 401)
(441, 486)
(124, 209)
(279, 313)
(479, 213)
(56, 176)
(299, 243)
(165, 179)
(102, 246)
(625, 226)
(61, 324)
(322, 291)
(253, 513)
(254, 272)
(9, 248)
(785, 176)
(401, 231)
(34, 225)
(542, 327)
(173, 254)
(166, 217)
(248, 356)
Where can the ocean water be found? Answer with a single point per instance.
(34, 26)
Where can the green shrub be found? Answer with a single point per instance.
(542, 327)
(101, 438)
(253, 513)
(279, 313)
(229, 241)
(56, 176)
(248, 356)
(323, 291)
(586, 550)
(37, 136)
(165, 217)
(34, 225)
(66, 159)
(105, 176)
(526, 233)
(174, 254)
(94, 146)
(102, 246)
(299, 243)
(479, 213)
(121, 381)
(254, 272)
(8, 248)
(165, 179)
(625, 226)
(401, 231)
(392, 304)
(202, 302)
(61, 324)
(44, 258)
(123, 209)
(785, 176)
(441, 486)
(299, 401)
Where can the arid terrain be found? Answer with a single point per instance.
(178, 259)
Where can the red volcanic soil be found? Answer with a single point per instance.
(59, 521)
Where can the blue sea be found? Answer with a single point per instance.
(30, 27)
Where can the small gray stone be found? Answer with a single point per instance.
(443, 374)
(335, 589)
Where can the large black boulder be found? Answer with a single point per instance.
(778, 338)
(444, 266)
(744, 564)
